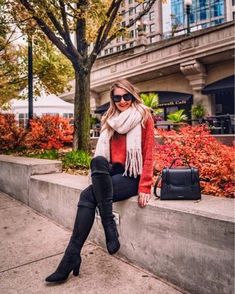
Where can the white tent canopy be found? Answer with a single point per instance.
(45, 104)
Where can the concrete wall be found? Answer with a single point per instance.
(188, 243)
(15, 173)
(56, 196)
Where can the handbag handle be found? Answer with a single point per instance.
(184, 160)
(155, 186)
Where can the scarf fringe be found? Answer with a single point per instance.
(127, 122)
(134, 163)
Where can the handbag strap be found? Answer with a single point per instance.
(184, 160)
(155, 186)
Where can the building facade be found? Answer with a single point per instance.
(152, 23)
(167, 19)
(183, 70)
(203, 14)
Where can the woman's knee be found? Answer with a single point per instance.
(87, 198)
(99, 164)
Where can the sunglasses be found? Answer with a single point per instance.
(126, 97)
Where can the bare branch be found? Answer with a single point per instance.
(141, 14)
(50, 34)
(65, 23)
(104, 29)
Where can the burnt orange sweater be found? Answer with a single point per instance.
(118, 154)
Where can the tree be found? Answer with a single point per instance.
(52, 70)
(90, 21)
(8, 61)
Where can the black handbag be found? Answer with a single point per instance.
(179, 183)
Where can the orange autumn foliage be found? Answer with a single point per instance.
(49, 132)
(214, 160)
(11, 135)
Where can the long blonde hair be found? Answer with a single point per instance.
(137, 103)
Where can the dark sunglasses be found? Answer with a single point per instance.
(126, 97)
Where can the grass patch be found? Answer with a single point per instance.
(73, 162)
(76, 159)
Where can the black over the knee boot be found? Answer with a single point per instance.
(103, 191)
(72, 259)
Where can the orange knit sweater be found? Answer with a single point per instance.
(118, 154)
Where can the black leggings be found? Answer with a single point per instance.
(124, 187)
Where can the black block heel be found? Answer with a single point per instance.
(76, 271)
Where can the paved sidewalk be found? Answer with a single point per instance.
(31, 247)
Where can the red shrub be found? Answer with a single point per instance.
(214, 160)
(11, 135)
(49, 132)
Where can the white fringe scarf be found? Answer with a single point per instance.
(127, 122)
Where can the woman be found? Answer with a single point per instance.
(121, 168)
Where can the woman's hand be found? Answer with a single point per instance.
(143, 199)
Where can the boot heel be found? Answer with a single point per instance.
(76, 271)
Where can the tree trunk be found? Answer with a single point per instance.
(81, 138)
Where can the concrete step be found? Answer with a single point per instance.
(17, 170)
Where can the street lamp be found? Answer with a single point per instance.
(30, 78)
(188, 4)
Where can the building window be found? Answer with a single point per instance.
(151, 15)
(106, 51)
(123, 24)
(131, 44)
(233, 15)
(152, 28)
(23, 119)
(111, 50)
(118, 39)
(52, 114)
(204, 13)
(233, 3)
(131, 10)
(152, 39)
(68, 115)
(132, 34)
(118, 48)
(124, 47)
(217, 9)
(130, 1)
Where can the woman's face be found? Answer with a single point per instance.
(123, 104)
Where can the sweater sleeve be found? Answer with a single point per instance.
(145, 182)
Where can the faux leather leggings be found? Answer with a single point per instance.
(124, 187)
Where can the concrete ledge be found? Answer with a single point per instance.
(16, 171)
(188, 243)
(56, 196)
